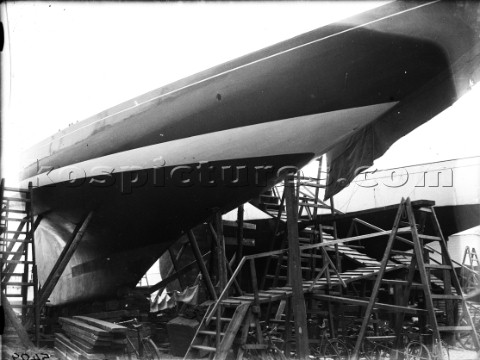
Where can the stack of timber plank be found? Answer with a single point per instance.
(89, 338)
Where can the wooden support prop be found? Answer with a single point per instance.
(288, 327)
(19, 329)
(227, 263)
(177, 258)
(239, 252)
(201, 264)
(63, 260)
(244, 334)
(253, 273)
(164, 282)
(176, 266)
(449, 304)
(295, 272)
(36, 308)
(2, 187)
(272, 242)
(222, 258)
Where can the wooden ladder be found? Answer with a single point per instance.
(420, 263)
(18, 266)
(214, 337)
(470, 270)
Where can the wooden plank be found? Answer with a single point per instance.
(11, 198)
(78, 347)
(361, 302)
(81, 325)
(231, 332)
(429, 237)
(235, 224)
(360, 213)
(446, 297)
(91, 338)
(70, 349)
(400, 282)
(204, 348)
(438, 266)
(454, 328)
(232, 241)
(12, 189)
(88, 347)
(90, 354)
(355, 238)
(105, 325)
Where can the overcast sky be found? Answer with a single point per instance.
(63, 62)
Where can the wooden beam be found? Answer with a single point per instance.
(201, 264)
(356, 214)
(178, 255)
(240, 243)
(356, 238)
(62, 261)
(175, 275)
(227, 264)
(176, 266)
(19, 329)
(235, 224)
(36, 308)
(231, 241)
(221, 255)
(360, 302)
(295, 271)
(231, 331)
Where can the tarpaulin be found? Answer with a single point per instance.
(461, 71)
(167, 301)
(350, 157)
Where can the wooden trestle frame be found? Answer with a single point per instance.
(250, 309)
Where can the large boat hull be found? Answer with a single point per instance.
(163, 162)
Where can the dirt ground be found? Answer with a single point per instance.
(11, 353)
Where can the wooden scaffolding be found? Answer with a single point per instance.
(305, 277)
(17, 263)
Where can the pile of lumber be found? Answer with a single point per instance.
(89, 338)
